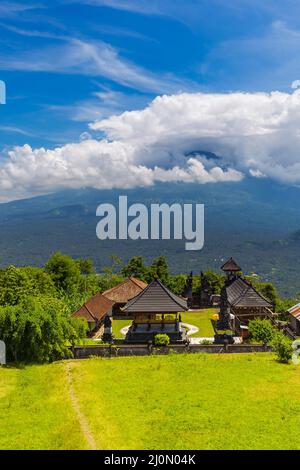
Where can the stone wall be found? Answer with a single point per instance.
(82, 352)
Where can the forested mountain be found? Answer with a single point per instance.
(256, 220)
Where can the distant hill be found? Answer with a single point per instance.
(255, 220)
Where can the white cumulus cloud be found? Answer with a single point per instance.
(169, 140)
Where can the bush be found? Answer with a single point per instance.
(39, 330)
(161, 340)
(282, 346)
(261, 331)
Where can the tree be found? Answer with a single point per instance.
(136, 268)
(176, 283)
(261, 331)
(106, 281)
(115, 265)
(215, 281)
(39, 330)
(85, 266)
(19, 283)
(64, 271)
(42, 283)
(159, 269)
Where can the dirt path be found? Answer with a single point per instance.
(84, 425)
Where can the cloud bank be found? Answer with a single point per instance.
(250, 133)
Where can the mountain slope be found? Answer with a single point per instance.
(252, 220)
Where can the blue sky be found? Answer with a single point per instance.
(67, 63)
(124, 93)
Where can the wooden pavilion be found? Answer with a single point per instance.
(240, 298)
(154, 311)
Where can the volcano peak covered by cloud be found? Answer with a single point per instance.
(253, 133)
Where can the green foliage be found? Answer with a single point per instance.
(85, 266)
(282, 347)
(136, 268)
(261, 331)
(39, 330)
(115, 265)
(282, 306)
(107, 281)
(161, 340)
(176, 283)
(215, 281)
(159, 269)
(19, 283)
(64, 271)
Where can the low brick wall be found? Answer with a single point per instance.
(82, 352)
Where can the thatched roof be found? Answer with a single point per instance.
(231, 266)
(125, 291)
(241, 293)
(156, 298)
(94, 309)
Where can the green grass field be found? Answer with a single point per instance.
(196, 401)
(117, 325)
(200, 318)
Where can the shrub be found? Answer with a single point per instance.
(161, 340)
(206, 342)
(261, 331)
(39, 330)
(282, 346)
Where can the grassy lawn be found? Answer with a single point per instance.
(117, 325)
(36, 410)
(201, 319)
(196, 401)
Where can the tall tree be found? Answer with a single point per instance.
(86, 266)
(17, 283)
(64, 271)
(136, 268)
(159, 268)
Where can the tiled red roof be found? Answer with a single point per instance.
(95, 308)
